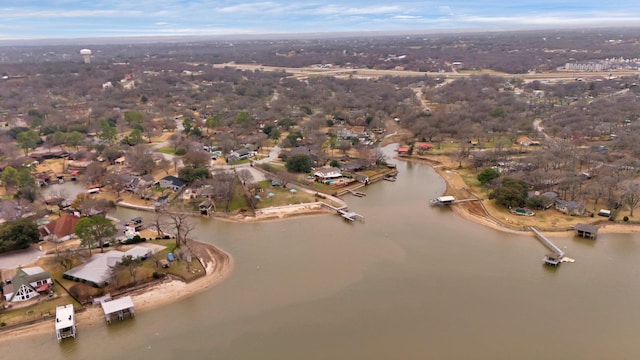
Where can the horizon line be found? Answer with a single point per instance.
(102, 40)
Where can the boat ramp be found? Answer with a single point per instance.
(557, 254)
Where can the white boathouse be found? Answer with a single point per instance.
(119, 308)
(65, 322)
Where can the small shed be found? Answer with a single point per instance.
(586, 231)
(65, 322)
(119, 308)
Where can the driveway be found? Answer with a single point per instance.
(13, 259)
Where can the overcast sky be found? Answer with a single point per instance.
(34, 19)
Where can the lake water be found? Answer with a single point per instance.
(412, 282)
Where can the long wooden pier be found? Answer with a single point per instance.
(556, 257)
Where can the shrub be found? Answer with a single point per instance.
(155, 275)
(625, 219)
(181, 151)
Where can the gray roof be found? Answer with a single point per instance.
(97, 269)
(113, 306)
(586, 228)
(174, 180)
(138, 252)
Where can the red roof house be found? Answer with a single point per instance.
(59, 230)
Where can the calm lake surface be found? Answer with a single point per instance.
(412, 282)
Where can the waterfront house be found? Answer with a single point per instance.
(27, 284)
(572, 207)
(97, 271)
(327, 173)
(59, 230)
(172, 182)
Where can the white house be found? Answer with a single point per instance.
(327, 173)
(27, 284)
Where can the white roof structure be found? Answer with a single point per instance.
(113, 306)
(138, 252)
(64, 316)
(118, 307)
(33, 270)
(328, 172)
(444, 199)
(97, 270)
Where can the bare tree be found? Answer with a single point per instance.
(117, 182)
(245, 176)
(181, 225)
(140, 157)
(631, 195)
(132, 264)
(95, 172)
(159, 223)
(197, 158)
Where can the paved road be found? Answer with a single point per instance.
(315, 71)
(13, 259)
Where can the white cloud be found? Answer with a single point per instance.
(53, 14)
(341, 10)
(407, 17)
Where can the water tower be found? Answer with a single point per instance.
(86, 54)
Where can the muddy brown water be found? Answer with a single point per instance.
(411, 282)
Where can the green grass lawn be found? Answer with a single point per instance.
(166, 150)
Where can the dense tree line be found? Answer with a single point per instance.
(18, 234)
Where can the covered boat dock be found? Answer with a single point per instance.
(65, 322)
(586, 231)
(443, 200)
(119, 308)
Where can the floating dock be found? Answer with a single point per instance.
(65, 322)
(554, 258)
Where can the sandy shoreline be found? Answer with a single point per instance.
(455, 186)
(218, 266)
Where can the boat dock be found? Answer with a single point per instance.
(554, 258)
(357, 193)
(346, 214)
(119, 308)
(65, 322)
(350, 215)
